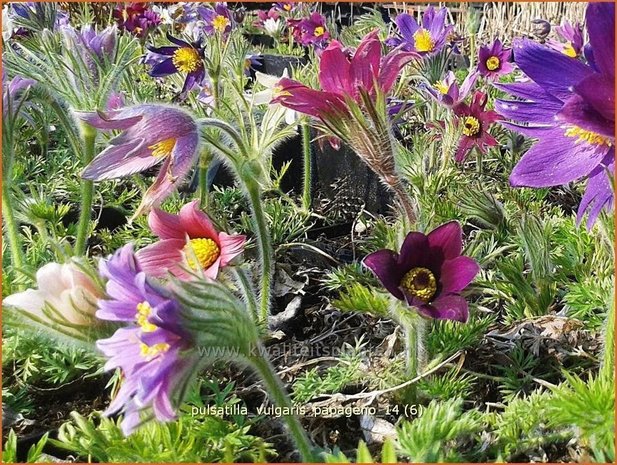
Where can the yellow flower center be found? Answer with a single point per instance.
(206, 251)
(287, 6)
(442, 87)
(420, 283)
(423, 40)
(149, 352)
(144, 310)
(163, 148)
(582, 135)
(471, 126)
(187, 60)
(568, 50)
(220, 23)
(493, 63)
(319, 31)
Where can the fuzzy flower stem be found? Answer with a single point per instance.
(415, 348)
(247, 289)
(205, 159)
(87, 191)
(307, 173)
(404, 200)
(280, 398)
(12, 228)
(265, 246)
(607, 366)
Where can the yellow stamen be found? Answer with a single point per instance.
(423, 40)
(442, 87)
(582, 135)
(287, 6)
(163, 148)
(144, 310)
(568, 50)
(319, 31)
(125, 15)
(420, 283)
(149, 352)
(493, 63)
(471, 126)
(187, 60)
(220, 23)
(206, 251)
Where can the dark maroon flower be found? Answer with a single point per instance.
(429, 273)
(476, 121)
(136, 18)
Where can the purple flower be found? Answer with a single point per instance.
(476, 122)
(573, 36)
(94, 49)
(12, 95)
(286, 7)
(182, 57)
(429, 273)
(427, 39)
(217, 19)
(136, 18)
(493, 61)
(153, 352)
(151, 134)
(447, 91)
(311, 30)
(570, 108)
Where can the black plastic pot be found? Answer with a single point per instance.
(275, 65)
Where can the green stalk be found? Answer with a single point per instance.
(11, 228)
(87, 191)
(265, 246)
(204, 163)
(247, 289)
(280, 398)
(607, 365)
(415, 348)
(307, 174)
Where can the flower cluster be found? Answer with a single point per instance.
(136, 18)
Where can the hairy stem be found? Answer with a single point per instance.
(264, 244)
(307, 174)
(405, 202)
(607, 366)
(87, 192)
(280, 398)
(205, 158)
(247, 289)
(11, 229)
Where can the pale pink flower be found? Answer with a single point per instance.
(65, 296)
(188, 241)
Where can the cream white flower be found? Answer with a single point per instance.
(65, 296)
(265, 96)
(272, 26)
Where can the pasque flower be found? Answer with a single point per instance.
(65, 297)
(12, 95)
(182, 57)
(426, 39)
(447, 91)
(352, 103)
(136, 18)
(311, 30)
(573, 37)
(151, 134)
(475, 121)
(154, 353)
(188, 241)
(217, 19)
(429, 273)
(569, 106)
(494, 60)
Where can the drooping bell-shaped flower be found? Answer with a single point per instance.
(151, 134)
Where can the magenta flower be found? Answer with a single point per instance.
(569, 106)
(573, 37)
(188, 240)
(448, 93)
(429, 273)
(342, 77)
(153, 351)
(494, 61)
(426, 39)
(217, 19)
(311, 30)
(183, 57)
(476, 122)
(151, 134)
